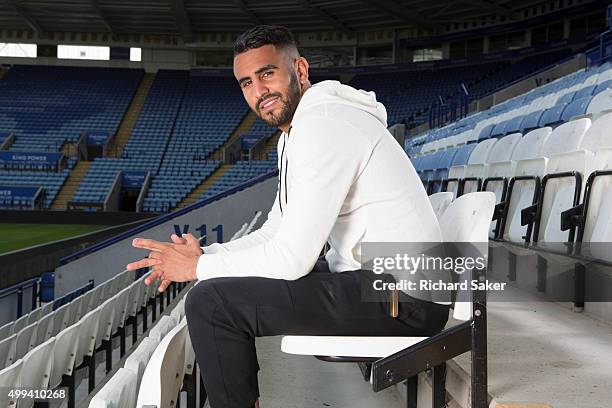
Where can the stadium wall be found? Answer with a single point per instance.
(229, 212)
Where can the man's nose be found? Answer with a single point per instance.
(260, 89)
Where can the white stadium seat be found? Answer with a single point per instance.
(64, 355)
(162, 379)
(36, 370)
(45, 328)
(9, 379)
(475, 169)
(138, 360)
(118, 392)
(466, 220)
(26, 340)
(8, 350)
(440, 201)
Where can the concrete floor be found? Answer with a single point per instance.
(543, 352)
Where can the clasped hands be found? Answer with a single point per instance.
(174, 261)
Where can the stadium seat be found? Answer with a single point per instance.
(523, 194)
(457, 169)
(26, 340)
(34, 315)
(119, 392)
(61, 318)
(467, 219)
(600, 103)
(163, 326)
(475, 169)
(36, 370)
(6, 330)
(161, 381)
(86, 344)
(20, 324)
(45, 328)
(8, 350)
(9, 380)
(66, 346)
(139, 358)
(440, 202)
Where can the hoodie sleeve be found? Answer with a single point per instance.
(326, 158)
(259, 236)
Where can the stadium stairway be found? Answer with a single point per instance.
(132, 113)
(202, 187)
(242, 129)
(71, 185)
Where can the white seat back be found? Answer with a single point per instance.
(504, 148)
(20, 323)
(559, 194)
(61, 318)
(87, 336)
(105, 321)
(26, 340)
(476, 164)
(598, 136)
(36, 370)
(163, 376)
(8, 349)
(163, 326)
(34, 315)
(440, 202)
(6, 330)
(566, 138)
(118, 392)
(530, 145)
(138, 360)
(598, 223)
(600, 102)
(522, 197)
(45, 328)
(9, 380)
(467, 220)
(66, 345)
(121, 303)
(134, 299)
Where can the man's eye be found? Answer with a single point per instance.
(246, 83)
(267, 74)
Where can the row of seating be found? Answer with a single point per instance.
(162, 365)
(72, 335)
(582, 92)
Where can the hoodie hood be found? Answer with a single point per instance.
(337, 93)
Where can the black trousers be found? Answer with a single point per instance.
(224, 315)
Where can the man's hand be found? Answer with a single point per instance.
(170, 262)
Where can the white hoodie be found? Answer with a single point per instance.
(344, 179)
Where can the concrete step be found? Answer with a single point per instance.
(197, 192)
(71, 185)
(131, 116)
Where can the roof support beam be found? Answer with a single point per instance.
(327, 17)
(407, 15)
(33, 24)
(241, 4)
(493, 8)
(182, 20)
(103, 17)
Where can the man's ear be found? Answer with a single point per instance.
(302, 70)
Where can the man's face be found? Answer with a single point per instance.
(269, 83)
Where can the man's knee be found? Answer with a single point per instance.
(199, 299)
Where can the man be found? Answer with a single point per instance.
(343, 180)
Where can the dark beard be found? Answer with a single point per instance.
(290, 102)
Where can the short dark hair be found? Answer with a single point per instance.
(258, 36)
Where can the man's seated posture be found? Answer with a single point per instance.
(343, 180)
